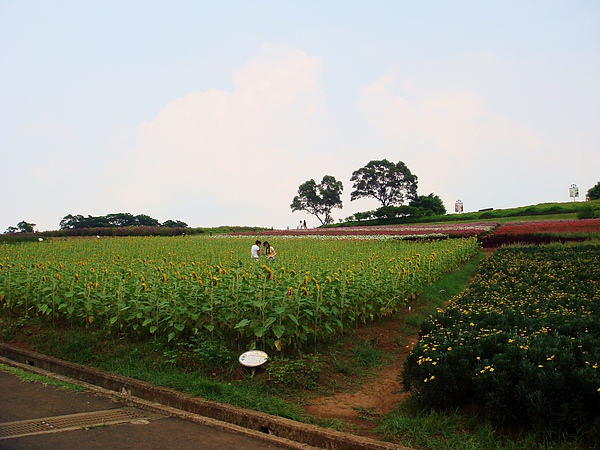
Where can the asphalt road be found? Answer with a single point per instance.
(69, 420)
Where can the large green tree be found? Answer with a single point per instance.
(389, 183)
(319, 199)
(594, 192)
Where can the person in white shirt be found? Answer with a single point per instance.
(255, 251)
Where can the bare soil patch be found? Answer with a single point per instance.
(381, 393)
(361, 406)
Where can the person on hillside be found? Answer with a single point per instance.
(255, 251)
(269, 252)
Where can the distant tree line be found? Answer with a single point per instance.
(116, 224)
(421, 206)
(116, 220)
(22, 227)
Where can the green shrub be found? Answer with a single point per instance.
(367, 356)
(295, 373)
(205, 356)
(586, 212)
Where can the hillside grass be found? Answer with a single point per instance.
(541, 211)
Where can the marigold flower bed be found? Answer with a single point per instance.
(523, 340)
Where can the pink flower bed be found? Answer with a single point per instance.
(467, 229)
(550, 226)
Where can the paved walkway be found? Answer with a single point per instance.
(37, 416)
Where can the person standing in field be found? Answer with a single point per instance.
(269, 252)
(255, 251)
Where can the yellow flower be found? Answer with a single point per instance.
(269, 271)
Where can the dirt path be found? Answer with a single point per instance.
(381, 393)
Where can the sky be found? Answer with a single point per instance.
(215, 112)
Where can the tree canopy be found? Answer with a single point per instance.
(594, 192)
(319, 199)
(389, 183)
(114, 220)
(22, 227)
(429, 202)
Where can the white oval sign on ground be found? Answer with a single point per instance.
(253, 358)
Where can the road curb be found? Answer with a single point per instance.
(168, 401)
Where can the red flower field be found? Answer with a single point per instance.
(550, 227)
(455, 229)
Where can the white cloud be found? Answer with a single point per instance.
(450, 138)
(230, 151)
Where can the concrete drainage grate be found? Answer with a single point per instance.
(66, 423)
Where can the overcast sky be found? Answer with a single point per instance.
(214, 112)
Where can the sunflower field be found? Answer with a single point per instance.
(175, 287)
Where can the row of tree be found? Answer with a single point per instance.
(115, 220)
(71, 222)
(393, 185)
(22, 227)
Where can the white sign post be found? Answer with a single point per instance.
(458, 206)
(573, 191)
(253, 359)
